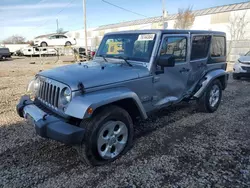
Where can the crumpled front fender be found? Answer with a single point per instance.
(80, 104)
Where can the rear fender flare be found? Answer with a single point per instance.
(208, 78)
(80, 104)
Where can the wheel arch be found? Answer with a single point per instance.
(121, 97)
(43, 42)
(68, 42)
(219, 74)
(128, 104)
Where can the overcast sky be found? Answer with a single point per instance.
(30, 18)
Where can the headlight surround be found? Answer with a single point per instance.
(65, 96)
(33, 86)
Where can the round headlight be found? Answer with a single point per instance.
(65, 95)
(36, 84)
(33, 86)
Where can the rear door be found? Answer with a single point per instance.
(200, 46)
(62, 40)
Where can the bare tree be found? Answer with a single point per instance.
(97, 41)
(15, 39)
(185, 19)
(30, 42)
(237, 28)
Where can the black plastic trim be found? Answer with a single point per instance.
(53, 127)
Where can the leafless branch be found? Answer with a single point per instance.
(185, 19)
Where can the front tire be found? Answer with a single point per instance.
(68, 43)
(108, 135)
(210, 100)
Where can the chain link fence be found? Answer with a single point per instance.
(60, 53)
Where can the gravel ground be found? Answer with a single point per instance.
(177, 148)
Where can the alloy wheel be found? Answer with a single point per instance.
(112, 139)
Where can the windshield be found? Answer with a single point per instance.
(248, 54)
(136, 46)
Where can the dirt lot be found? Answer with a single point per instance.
(177, 148)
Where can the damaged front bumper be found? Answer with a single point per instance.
(49, 126)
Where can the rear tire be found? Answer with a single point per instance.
(44, 44)
(68, 43)
(108, 135)
(210, 100)
(236, 77)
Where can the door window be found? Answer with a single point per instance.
(218, 46)
(52, 37)
(200, 46)
(62, 37)
(176, 46)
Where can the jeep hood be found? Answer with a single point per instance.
(93, 74)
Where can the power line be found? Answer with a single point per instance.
(39, 2)
(55, 16)
(124, 9)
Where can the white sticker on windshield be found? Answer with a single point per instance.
(146, 37)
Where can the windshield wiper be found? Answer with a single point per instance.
(125, 59)
(104, 57)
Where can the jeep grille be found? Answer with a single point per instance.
(49, 92)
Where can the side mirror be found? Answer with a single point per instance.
(166, 61)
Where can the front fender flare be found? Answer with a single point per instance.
(79, 105)
(208, 78)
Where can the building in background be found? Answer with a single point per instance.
(215, 18)
(225, 18)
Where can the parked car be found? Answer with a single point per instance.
(4, 53)
(94, 105)
(18, 53)
(82, 52)
(35, 51)
(14, 48)
(55, 40)
(242, 67)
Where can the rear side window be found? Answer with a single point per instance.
(200, 46)
(218, 46)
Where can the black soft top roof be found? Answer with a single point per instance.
(171, 31)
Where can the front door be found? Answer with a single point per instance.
(54, 40)
(170, 84)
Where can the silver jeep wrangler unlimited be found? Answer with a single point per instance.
(93, 105)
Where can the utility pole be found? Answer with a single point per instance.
(85, 29)
(164, 14)
(57, 25)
